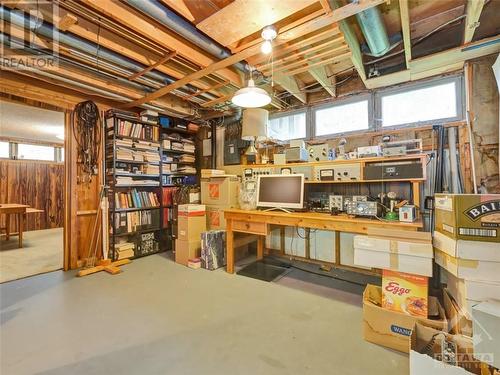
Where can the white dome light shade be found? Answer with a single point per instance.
(251, 96)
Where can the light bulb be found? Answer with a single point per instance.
(266, 47)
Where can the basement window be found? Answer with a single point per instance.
(428, 103)
(4, 149)
(342, 118)
(287, 127)
(35, 152)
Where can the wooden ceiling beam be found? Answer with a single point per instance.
(320, 75)
(299, 31)
(180, 7)
(162, 61)
(291, 85)
(88, 31)
(405, 26)
(325, 4)
(305, 60)
(67, 21)
(472, 13)
(129, 18)
(331, 60)
(197, 93)
(305, 51)
(213, 102)
(296, 45)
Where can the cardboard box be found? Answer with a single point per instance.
(486, 324)
(468, 269)
(185, 250)
(426, 361)
(222, 191)
(458, 320)
(473, 217)
(414, 257)
(191, 228)
(468, 293)
(390, 328)
(405, 293)
(191, 210)
(487, 251)
(215, 217)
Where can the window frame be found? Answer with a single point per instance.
(305, 111)
(348, 100)
(459, 101)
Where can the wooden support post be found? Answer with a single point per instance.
(260, 247)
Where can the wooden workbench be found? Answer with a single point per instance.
(259, 222)
(14, 209)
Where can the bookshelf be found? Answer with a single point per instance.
(133, 160)
(178, 150)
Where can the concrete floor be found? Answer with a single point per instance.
(42, 251)
(161, 318)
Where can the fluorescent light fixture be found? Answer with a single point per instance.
(251, 96)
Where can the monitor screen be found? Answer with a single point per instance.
(284, 191)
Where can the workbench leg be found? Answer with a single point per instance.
(21, 228)
(7, 227)
(229, 247)
(260, 247)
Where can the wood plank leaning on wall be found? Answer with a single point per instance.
(37, 184)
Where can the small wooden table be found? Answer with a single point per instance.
(258, 222)
(14, 209)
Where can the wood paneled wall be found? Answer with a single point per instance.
(38, 184)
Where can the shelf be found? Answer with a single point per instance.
(126, 118)
(134, 209)
(132, 161)
(178, 174)
(135, 175)
(135, 185)
(137, 232)
(177, 152)
(121, 136)
(176, 130)
(367, 181)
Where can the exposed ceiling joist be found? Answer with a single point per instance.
(473, 12)
(291, 85)
(119, 12)
(199, 92)
(325, 4)
(331, 60)
(246, 17)
(320, 75)
(88, 31)
(163, 60)
(405, 26)
(297, 32)
(180, 7)
(67, 21)
(352, 42)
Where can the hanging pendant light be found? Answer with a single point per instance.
(251, 96)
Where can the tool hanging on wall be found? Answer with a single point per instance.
(86, 122)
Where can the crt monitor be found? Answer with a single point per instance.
(281, 191)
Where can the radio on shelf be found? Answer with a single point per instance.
(394, 171)
(296, 154)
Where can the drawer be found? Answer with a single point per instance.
(250, 227)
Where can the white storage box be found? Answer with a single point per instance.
(403, 256)
(486, 327)
(468, 293)
(475, 250)
(468, 269)
(322, 245)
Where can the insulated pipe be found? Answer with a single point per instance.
(48, 31)
(373, 29)
(179, 25)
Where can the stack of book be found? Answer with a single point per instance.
(187, 169)
(126, 222)
(151, 156)
(145, 145)
(136, 199)
(151, 169)
(186, 158)
(189, 146)
(149, 116)
(128, 154)
(124, 250)
(134, 130)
